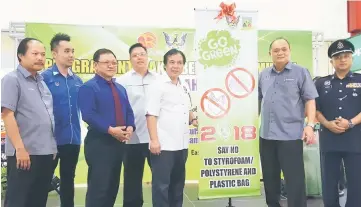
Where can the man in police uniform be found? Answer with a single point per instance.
(339, 112)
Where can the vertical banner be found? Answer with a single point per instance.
(227, 74)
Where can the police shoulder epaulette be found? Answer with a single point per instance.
(356, 74)
(324, 78)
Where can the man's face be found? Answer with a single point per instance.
(34, 58)
(174, 66)
(342, 61)
(106, 66)
(64, 54)
(280, 52)
(139, 58)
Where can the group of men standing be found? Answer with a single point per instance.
(139, 116)
(287, 94)
(145, 116)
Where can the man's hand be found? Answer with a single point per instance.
(119, 133)
(130, 132)
(308, 135)
(334, 127)
(342, 123)
(155, 147)
(22, 159)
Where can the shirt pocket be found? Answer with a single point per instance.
(173, 101)
(135, 92)
(354, 93)
(74, 89)
(289, 86)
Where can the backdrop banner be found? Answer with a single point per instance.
(87, 39)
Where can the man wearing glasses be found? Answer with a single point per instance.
(106, 109)
(339, 112)
(136, 82)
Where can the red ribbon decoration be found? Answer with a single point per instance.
(227, 11)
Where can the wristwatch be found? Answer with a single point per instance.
(350, 124)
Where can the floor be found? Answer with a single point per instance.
(190, 199)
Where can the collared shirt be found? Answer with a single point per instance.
(170, 103)
(340, 98)
(66, 110)
(283, 96)
(137, 88)
(31, 101)
(97, 106)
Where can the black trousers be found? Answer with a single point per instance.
(331, 176)
(28, 188)
(288, 156)
(134, 159)
(342, 182)
(68, 155)
(104, 156)
(168, 178)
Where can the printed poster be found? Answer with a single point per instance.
(227, 75)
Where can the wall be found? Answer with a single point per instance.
(328, 16)
(324, 65)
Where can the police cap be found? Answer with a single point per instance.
(340, 46)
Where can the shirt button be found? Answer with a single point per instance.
(340, 91)
(340, 108)
(341, 83)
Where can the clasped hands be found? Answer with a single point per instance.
(121, 133)
(337, 126)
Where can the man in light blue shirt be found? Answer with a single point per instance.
(286, 94)
(64, 86)
(137, 83)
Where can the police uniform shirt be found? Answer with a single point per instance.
(340, 98)
(170, 103)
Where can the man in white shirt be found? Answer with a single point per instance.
(136, 82)
(168, 118)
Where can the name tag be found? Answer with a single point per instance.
(289, 79)
(353, 85)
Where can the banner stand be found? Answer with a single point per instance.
(229, 202)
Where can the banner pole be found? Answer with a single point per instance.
(229, 202)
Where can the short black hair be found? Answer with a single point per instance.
(279, 38)
(57, 38)
(135, 46)
(100, 52)
(173, 52)
(23, 46)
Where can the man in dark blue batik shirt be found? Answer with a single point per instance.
(64, 86)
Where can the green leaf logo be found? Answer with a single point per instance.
(218, 49)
